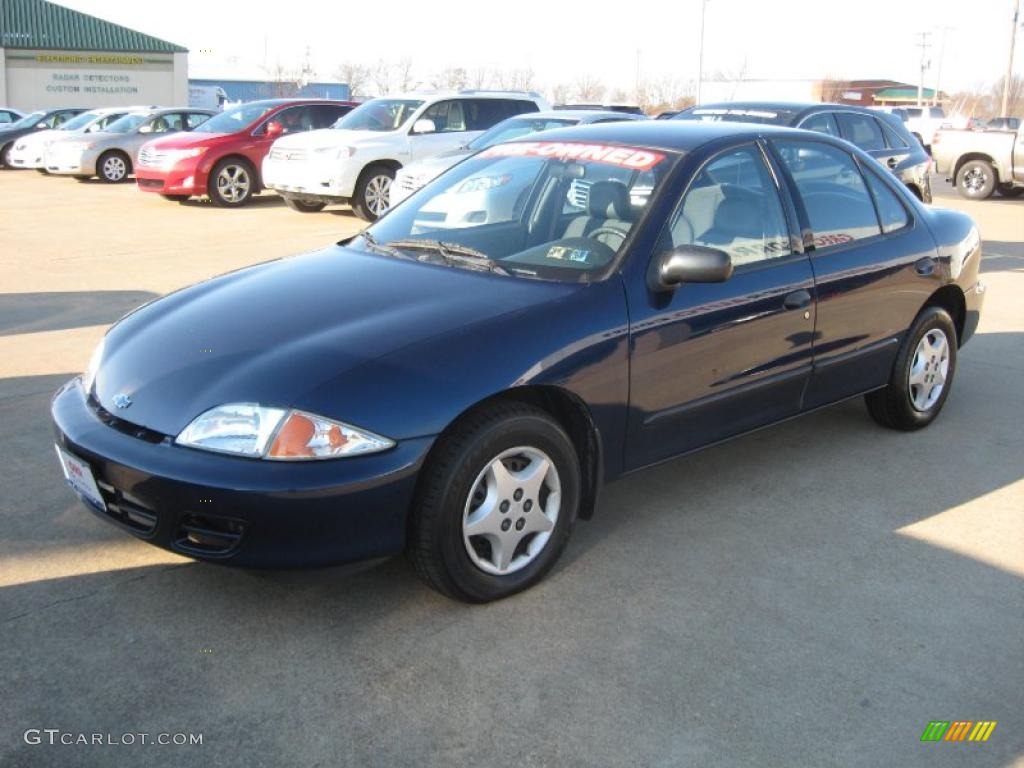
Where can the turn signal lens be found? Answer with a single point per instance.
(305, 436)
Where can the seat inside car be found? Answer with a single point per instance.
(608, 205)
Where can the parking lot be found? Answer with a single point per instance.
(810, 595)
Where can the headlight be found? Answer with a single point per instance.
(338, 153)
(182, 154)
(89, 374)
(483, 183)
(77, 146)
(248, 429)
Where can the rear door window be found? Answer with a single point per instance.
(891, 211)
(823, 122)
(838, 204)
(892, 139)
(861, 130)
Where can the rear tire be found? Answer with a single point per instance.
(373, 192)
(976, 180)
(303, 206)
(921, 376)
(113, 167)
(509, 472)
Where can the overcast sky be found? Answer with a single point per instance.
(562, 42)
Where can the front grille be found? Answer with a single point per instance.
(150, 183)
(125, 427)
(208, 535)
(128, 510)
(283, 153)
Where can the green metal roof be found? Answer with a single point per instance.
(40, 24)
(894, 93)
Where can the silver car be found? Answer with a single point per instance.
(415, 175)
(30, 150)
(112, 153)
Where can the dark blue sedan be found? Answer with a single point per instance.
(460, 380)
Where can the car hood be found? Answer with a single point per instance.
(285, 332)
(334, 137)
(189, 139)
(435, 165)
(43, 137)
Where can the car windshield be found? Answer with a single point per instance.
(516, 127)
(541, 209)
(28, 120)
(78, 121)
(738, 114)
(128, 123)
(232, 120)
(379, 115)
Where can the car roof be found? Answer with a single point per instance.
(270, 103)
(583, 115)
(469, 94)
(672, 135)
(797, 108)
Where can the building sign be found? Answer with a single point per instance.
(93, 58)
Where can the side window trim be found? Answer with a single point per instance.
(911, 219)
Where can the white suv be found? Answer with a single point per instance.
(355, 160)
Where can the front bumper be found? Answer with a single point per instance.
(315, 180)
(235, 510)
(30, 157)
(182, 178)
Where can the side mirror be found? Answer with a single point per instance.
(424, 125)
(273, 129)
(690, 264)
(148, 128)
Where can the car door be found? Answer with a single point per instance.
(450, 130)
(867, 133)
(874, 264)
(711, 360)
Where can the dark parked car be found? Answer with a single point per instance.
(463, 393)
(40, 120)
(883, 136)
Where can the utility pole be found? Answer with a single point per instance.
(924, 45)
(700, 50)
(1009, 61)
(938, 73)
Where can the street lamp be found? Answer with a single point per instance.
(700, 50)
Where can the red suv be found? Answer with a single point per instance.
(222, 157)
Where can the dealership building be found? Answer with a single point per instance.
(52, 56)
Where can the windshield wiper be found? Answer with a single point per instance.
(387, 250)
(452, 253)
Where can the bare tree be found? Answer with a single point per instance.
(479, 78)
(1015, 103)
(380, 76)
(560, 93)
(356, 76)
(588, 90)
(450, 78)
(404, 75)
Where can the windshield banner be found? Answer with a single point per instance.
(633, 158)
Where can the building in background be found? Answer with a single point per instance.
(252, 90)
(52, 56)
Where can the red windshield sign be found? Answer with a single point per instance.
(633, 158)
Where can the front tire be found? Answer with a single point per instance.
(373, 192)
(921, 376)
(496, 504)
(5, 156)
(976, 180)
(302, 206)
(232, 183)
(113, 167)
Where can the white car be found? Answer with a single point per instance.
(411, 177)
(355, 160)
(30, 150)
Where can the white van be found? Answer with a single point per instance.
(355, 160)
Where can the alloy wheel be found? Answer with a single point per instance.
(233, 183)
(114, 168)
(378, 194)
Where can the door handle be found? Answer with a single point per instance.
(797, 300)
(925, 266)
(892, 162)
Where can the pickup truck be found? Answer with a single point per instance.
(981, 162)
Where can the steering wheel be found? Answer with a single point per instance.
(606, 230)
